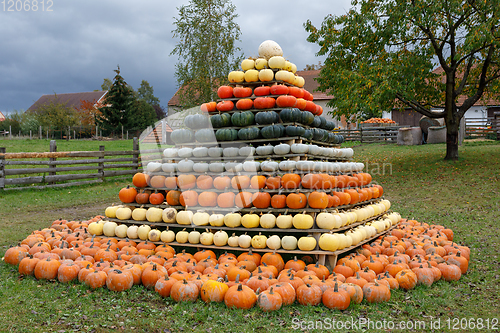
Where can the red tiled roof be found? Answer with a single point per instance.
(311, 84)
(70, 99)
(2, 117)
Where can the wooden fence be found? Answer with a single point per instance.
(387, 134)
(61, 169)
(483, 128)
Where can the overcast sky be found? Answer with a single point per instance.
(80, 42)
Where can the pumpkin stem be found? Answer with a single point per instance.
(240, 287)
(271, 291)
(336, 287)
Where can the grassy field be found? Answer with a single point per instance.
(463, 196)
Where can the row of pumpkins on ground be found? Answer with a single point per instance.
(262, 152)
(414, 253)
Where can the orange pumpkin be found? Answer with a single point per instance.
(127, 194)
(278, 201)
(225, 200)
(354, 196)
(140, 179)
(173, 198)
(171, 183)
(186, 182)
(243, 199)
(157, 181)
(318, 200)
(273, 183)
(296, 200)
(207, 199)
(290, 181)
(188, 198)
(312, 181)
(258, 182)
(222, 182)
(204, 182)
(261, 200)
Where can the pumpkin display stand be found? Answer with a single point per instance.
(253, 205)
(261, 149)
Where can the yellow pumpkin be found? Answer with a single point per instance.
(139, 214)
(306, 243)
(250, 220)
(268, 221)
(232, 220)
(303, 221)
(123, 213)
(182, 236)
(201, 218)
(236, 76)
(184, 217)
(167, 236)
(216, 220)
(284, 221)
(154, 214)
(289, 242)
(259, 241)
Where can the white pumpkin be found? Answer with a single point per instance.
(273, 242)
(182, 236)
(201, 218)
(139, 214)
(200, 167)
(276, 62)
(231, 152)
(269, 48)
(268, 221)
(233, 167)
(194, 237)
(95, 228)
(232, 220)
(132, 232)
(200, 152)
(287, 165)
(259, 241)
(266, 75)
(220, 238)
(121, 230)
(299, 148)
(299, 81)
(109, 228)
(143, 231)
(169, 167)
(246, 151)
(124, 213)
(328, 221)
(216, 220)
(260, 63)
(154, 235)
(269, 166)
(305, 165)
(207, 238)
(154, 214)
(111, 211)
(216, 167)
(169, 215)
(185, 152)
(153, 167)
(282, 149)
(184, 217)
(215, 151)
(328, 242)
(233, 241)
(244, 241)
(289, 242)
(185, 166)
(306, 243)
(236, 76)
(284, 221)
(314, 150)
(264, 150)
(285, 76)
(167, 236)
(170, 152)
(251, 166)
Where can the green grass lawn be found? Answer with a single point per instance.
(463, 196)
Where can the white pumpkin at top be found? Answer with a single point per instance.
(109, 228)
(121, 230)
(132, 232)
(276, 62)
(143, 231)
(247, 64)
(260, 63)
(236, 76)
(167, 236)
(269, 48)
(273, 242)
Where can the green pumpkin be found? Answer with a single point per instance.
(291, 115)
(340, 138)
(316, 123)
(266, 117)
(241, 119)
(307, 118)
(196, 121)
(182, 135)
(295, 131)
(205, 135)
(319, 134)
(249, 133)
(330, 125)
(272, 131)
(221, 120)
(322, 122)
(308, 134)
(226, 134)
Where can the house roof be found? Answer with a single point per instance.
(310, 85)
(2, 117)
(70, 99)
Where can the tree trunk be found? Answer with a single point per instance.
(452, 125)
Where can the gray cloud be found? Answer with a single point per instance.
(78, 44)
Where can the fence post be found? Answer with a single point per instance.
(122, 133)
(163, 132)
(40, 132)
(2, 167)
(361, 134)
(101, 162)
(135, 148)
(53, 149)
(30, 135)
(10, 132)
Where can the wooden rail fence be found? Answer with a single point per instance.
(387, 134)
(61, 169)
(483, 128)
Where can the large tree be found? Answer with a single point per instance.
(207, 34)
(56, 115)
(118, 105)
(422, 54)
(146, 93)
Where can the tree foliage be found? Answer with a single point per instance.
(207, 34)
(107, 84)
(146, 93)
(383, 55)
(55, 115)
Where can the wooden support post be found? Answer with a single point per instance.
(135, 148)
(40, 132)
(10, 131)
(122, 133)
(2, 168)
(52, 149)
(101, 163)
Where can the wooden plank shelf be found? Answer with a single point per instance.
(288, 139)
(260, 83)
(260, 157)
(259, 173)
(248, 230)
